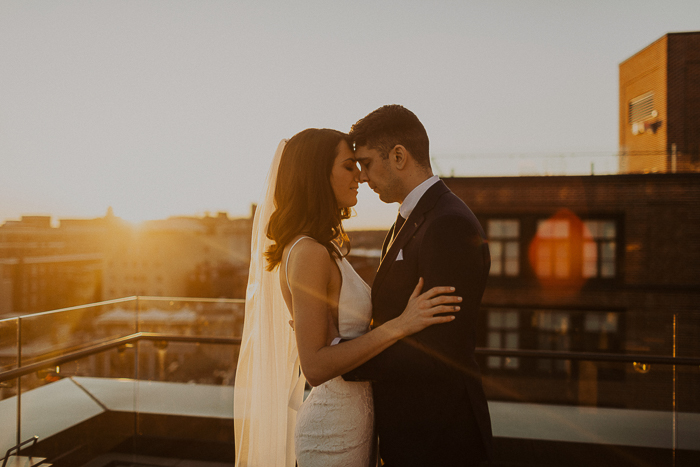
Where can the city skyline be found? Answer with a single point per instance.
(160, 109)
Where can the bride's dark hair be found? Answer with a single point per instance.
(304, 199)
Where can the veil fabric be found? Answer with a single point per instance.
(269, 387)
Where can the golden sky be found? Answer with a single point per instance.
(161, 108)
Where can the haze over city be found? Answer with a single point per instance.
(175, 108)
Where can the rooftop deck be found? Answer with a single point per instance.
(136, 399)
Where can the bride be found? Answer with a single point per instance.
(298, 271)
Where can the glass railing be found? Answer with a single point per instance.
(154, 376)
(619, 359)
(9, 360)
(113, 376)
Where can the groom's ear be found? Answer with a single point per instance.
(398, 156)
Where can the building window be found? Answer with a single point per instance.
(574, 249)
(504, 246)
(503, 333)
(552, 258)
(599, 249)
(641, 108)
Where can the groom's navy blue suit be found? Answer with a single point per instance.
(430, 406)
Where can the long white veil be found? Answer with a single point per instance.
(268, 387)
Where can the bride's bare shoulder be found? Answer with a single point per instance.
(305, 249)
(307, 259)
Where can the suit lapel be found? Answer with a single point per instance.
(414, 221)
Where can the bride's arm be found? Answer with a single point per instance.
(310, 270)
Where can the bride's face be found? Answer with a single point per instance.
(345, 176)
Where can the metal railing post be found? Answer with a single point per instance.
(137, 345)
(19, 380)
(675, 413)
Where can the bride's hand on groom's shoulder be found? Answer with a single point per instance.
(424, 309)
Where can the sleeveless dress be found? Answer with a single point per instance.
(335, 424)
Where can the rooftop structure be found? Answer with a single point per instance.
(660, 106)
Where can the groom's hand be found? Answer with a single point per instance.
(332, 330)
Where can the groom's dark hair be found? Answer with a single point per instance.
(391, 125)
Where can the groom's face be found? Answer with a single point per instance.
(379, 174)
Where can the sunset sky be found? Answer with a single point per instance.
(160, 108)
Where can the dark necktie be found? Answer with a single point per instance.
(397, 226)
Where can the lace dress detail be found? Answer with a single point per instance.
(335, 424)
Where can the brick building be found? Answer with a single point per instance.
(659, 124)
(589, 263)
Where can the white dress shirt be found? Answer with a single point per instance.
(410, 202)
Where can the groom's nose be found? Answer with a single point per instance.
(363, 176)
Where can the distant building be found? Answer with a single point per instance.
(87, 260)
(180, 257)
(660, 106)
(41, 283)
(43, 269)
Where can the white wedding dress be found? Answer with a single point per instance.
(335, 424)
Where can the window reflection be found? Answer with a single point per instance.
(553, 250)
(550, 329)
(571, 249)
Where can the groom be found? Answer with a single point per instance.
(430, 406)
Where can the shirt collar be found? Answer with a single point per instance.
(410, 202)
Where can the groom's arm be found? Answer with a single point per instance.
(453, 253)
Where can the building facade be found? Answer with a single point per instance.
(659, 96)
(589, 264)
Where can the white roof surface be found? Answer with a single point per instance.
(53, 408)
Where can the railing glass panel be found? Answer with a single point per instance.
(191, 317)
(184, 385)
(53, 333)
(8, 352)
(137, 388)
(8, 389)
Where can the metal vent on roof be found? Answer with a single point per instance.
(641, 108)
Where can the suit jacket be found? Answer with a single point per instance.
(427, 387)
